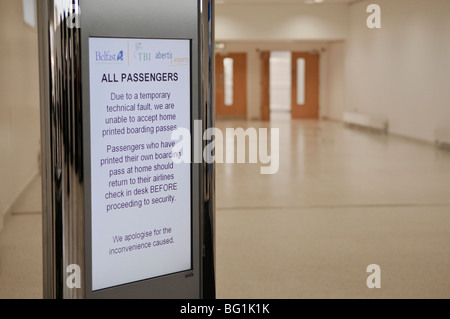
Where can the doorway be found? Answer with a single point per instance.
(289, 85)
(280, 84)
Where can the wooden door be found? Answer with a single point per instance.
(305, 85)
(265, 85)
(231, 92)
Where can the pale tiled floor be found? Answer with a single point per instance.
(21, 248)
(343, 199)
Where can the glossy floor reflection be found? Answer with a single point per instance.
(342, 199)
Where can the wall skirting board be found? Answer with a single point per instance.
(370, 121)
(442, 137)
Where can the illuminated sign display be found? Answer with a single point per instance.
(140, 92)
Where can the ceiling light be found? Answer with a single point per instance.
(220, 45)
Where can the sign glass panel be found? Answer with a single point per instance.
(140, 92)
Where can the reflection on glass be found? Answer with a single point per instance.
(301, 81)
(228, 76)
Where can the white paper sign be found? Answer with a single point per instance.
(141, 199)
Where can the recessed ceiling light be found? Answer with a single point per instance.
(313, 1)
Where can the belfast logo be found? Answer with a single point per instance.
(108, 56)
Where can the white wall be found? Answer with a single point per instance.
(334, 105)
(401, 71)
(19, 104)
(281, 22)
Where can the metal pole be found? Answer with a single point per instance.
(62, 151)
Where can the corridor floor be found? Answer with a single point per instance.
(342, 199)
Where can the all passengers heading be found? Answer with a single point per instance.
(139, 77)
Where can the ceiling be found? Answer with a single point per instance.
(219, 2)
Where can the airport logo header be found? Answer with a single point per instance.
(108, 56)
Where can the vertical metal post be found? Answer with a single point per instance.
(208, 117)
(62, 149)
